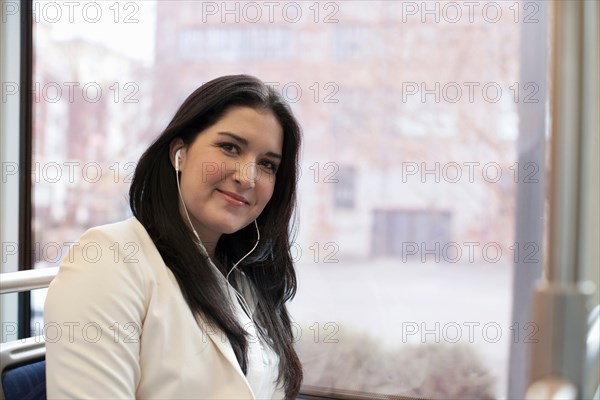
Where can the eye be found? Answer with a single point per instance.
(229, 148)
(269, 165)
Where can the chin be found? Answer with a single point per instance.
(228, 229)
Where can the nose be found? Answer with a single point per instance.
(246, 174)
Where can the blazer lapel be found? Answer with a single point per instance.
(220, 340)
(216, 335)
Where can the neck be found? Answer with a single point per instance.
(210, 248)
(209, 242)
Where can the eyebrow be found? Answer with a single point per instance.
(244, 142)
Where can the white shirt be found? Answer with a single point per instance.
(263, 362)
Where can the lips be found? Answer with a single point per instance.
(233, 198)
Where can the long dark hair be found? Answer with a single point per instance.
(154, 201)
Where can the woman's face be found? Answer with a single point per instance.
(228, 172)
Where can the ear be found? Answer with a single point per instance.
(176, 144)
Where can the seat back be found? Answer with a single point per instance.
(25, 382)
(22, 362)
(23, 369)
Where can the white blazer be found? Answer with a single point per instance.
(117, 327)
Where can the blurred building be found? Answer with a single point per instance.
(85, 124)
(382, 165)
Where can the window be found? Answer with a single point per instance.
(405, 277)
(344, 192)
(418, 235)
(356, 43)
(226, 44)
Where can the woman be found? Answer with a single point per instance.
(187, 299)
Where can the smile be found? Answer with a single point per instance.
(233, 198)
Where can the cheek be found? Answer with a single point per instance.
(208, 172)
(265, 189)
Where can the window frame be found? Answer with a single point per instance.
(529, 225)
(26, 238)
(16, 48)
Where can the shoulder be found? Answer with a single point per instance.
(129, 229)
(107, 272)
(112, 255)
(128, 237)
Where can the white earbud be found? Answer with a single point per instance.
(242, 301)
(177, 157)
(247, 254)
(240, 297)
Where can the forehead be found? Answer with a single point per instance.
(257, 126)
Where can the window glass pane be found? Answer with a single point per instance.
(405, 245)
